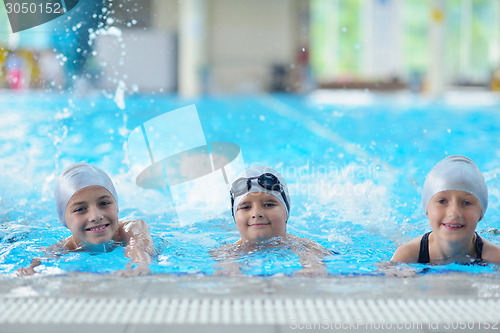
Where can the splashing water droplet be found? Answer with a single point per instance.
(120, 95)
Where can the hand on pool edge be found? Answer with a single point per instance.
(26, 271)
(395, 269)
(30, 270)
(316, 270)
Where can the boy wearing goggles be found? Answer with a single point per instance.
(261, 206)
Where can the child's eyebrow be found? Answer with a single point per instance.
(83, 202)
(243, 203)
(77, 203)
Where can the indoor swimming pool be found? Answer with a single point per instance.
(355, 164)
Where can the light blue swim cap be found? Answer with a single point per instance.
(76, 177)
(457, 173)
(257, 171)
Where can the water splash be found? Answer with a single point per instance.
(120, 95)
(108, 31)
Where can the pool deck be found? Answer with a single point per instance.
(161, 303)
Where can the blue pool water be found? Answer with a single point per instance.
(355, 172)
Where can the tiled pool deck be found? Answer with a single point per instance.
(165, 303)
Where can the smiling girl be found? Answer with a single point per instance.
(454, 199)
(87, 204)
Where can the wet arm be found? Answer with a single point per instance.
(311, 256)
(407, 253)
(226, 257)
(396, 269)
(30, 270)
(51, 252)
(139, 246)
(491, 253)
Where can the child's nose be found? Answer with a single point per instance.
(453, 209)
(256, 211)
(95, 214)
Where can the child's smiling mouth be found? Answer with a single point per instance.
(98, 228)
(453, 226)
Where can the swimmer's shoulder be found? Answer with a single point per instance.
(66, 244)
(136, 224)
(135, 233)
(132, 227)
(491, 252)
(408, 252)
(224, 251)
(294, 238)
(301, 240)
(297, 241)
(307, 244)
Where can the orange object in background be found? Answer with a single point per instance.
(495, 80)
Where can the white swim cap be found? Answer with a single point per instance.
(76, 177)
(273, 185)
(457, 173)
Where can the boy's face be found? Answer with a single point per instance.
(454, 215)
(92, 215)
(260, 216)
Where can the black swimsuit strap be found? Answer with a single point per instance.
(423, 255)
(424, 258)
(479, 246)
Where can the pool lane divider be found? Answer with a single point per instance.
(170, 153)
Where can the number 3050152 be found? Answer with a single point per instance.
(33, 8)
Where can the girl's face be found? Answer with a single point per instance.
(92, 215)
(453, 215)
(260, 216)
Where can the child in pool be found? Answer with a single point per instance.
(261, 206)
(87, 205)
(454, 199)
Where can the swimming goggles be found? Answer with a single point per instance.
(267, 181)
